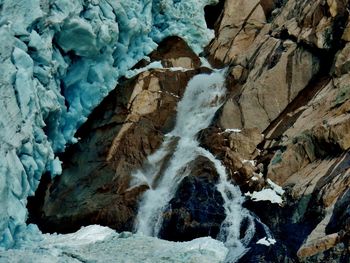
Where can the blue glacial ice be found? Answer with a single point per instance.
(58, 60)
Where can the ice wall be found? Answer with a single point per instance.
(58, 60)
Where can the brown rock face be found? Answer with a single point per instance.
(231, 39)
(173, 52)
(286, 119)
(196, 210)
(235, 149)
(127, 127)
(288, 79)
(277, 71)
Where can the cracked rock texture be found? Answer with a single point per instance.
(121, 132)
(286, 119)
(289, 79)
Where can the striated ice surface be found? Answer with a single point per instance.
(102, 244)
(58, 60)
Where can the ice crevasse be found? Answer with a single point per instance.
(58, 60)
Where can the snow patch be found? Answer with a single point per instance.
(102, 244)
(154, 65)
(273, 194)
(278, 189)
(232, 131)
(252, 162)
(84, 236)
(265, 195)
(266, 241)
(178, 69)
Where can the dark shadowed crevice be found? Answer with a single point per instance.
(36, 202)
(213, 12)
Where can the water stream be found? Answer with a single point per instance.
(164, 169)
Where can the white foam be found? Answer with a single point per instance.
(202, 98)
(195, 111)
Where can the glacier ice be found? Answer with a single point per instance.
(59, 59)
(101, 244)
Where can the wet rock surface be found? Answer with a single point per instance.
(196, 210)
(236, 149)
(127, 126)
(286, 119)
(288, 79)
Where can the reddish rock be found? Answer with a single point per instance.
(173, 52)
(127, 127)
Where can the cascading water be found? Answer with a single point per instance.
(203, 97)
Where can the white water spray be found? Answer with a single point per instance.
(203, 97)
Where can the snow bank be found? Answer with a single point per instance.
(266, 195)
(273, 194)
(102, 244)
(59, 59)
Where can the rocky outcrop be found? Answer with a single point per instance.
(240, 23)
(196, 210)
(173, 52)
(126, 127)
(289, 80)
(286, 120)
(236, 149)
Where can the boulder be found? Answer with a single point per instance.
(196, 210)
(173, 52)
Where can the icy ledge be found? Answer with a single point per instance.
(58, 60)
(102, 244)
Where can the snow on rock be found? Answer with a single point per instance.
(233, 130)
(252, 162)
(266, 241)
(59, 59)
(102, 244)
(133, 72)
(265, 195)
(230, 130)
(278, 189)
(273, 194)
(153, 65)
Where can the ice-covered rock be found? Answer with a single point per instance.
(59, 59)
(101, 244)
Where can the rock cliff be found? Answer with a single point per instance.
(289, 80)
(285, 121)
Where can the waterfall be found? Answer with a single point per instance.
(164, 169)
